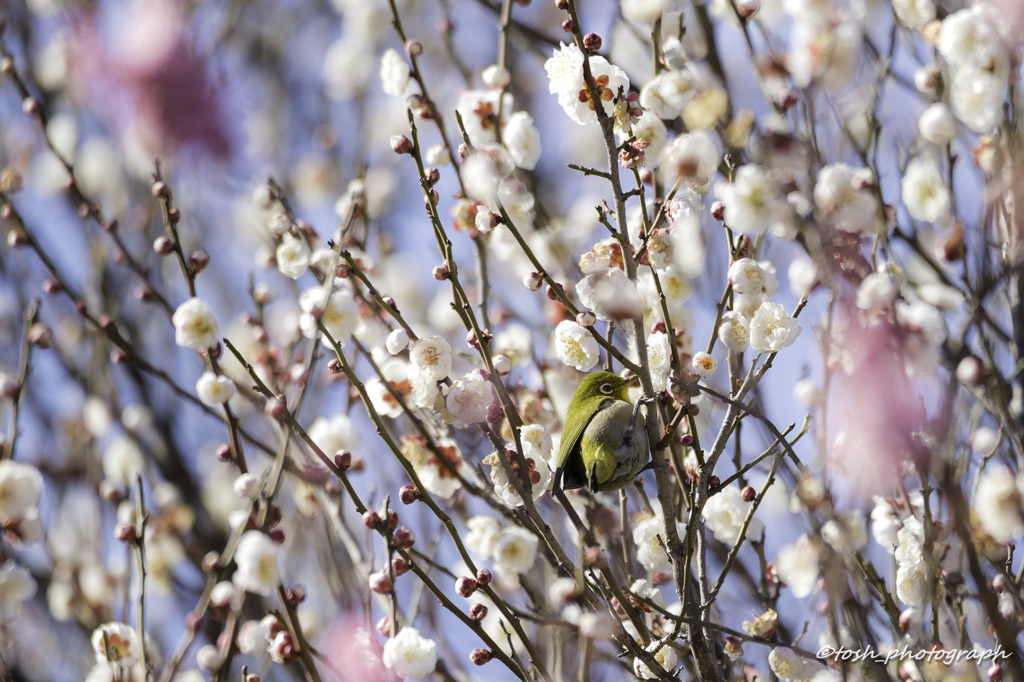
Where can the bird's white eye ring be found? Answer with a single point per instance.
(606, 389)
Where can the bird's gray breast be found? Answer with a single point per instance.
(633, 453)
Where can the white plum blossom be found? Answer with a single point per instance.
(650, 541)
(256, 556)
(976, 98)
(21, 488)
(752, 201)
(997, 503)
(431, 357)
(936, 124)
(394, 73)
(122, 461)
(576, 346)
(409, 654)
(914, 13)
(802, 273)
(539, 437)
(734, 331)
(967, 39)
(724, 514)
(659, 358)
(333, 434)
(479, 111)
(610, 294)
(747, 276)
(338, 312)
(790, 667)
(195, 326)
(924, 192)
(293, 256)
(877, 290)
(482, 536)
(841, 196)
(772, 328)
(17, 586)
(797, 565)
(644, 11)
(806, 393)
(514, 342)
(115, 643)
(515, 551)
(214, 389)
(650, 129)
(846, 531)
(692, 158)
(437, 155)
(666, 94)
(504, 488)
(467, 400)
(565, 75)
(522, 140)
(666, 658)
(704, 364)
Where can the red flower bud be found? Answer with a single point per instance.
(465, 586)
(748, 494)
(483, 576)
(478, 612)
(408, 494)
(480, 656)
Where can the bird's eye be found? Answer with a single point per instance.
(606, 389)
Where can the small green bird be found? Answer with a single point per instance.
(601, 447)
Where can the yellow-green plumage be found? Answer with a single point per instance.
(602, 448)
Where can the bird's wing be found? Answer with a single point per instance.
(573, 430)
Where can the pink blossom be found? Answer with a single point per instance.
(146, 76)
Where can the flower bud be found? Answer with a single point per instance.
(334, 367)
(125, 532)
(277, 535)
(478, 612)
(466, 586)
(995, 672)
(496, 77)
(502, 365)
(718, 211)
(404, 538)
(383, 626)
(409, 494)
(433, 175)
(562, 4)
(568, 26)
(592, 42)
(748, 494)
(714, 481)
(392, 519)
(483, 577)
(296, 594)
(413, 48)
(278, 407)
(400, 566)
(494, 413)
(441, 273)
(40, 335)
(209, 658)
(371, 519)
(380, 582)
(7, 66)
(593, 556)
(160, 189)
(198, 260)
(397, 341)
(686, 440)
(533, 281)
(163, 246)
(747, 8)
(223, 452)
(16, 238)
(586, 319)
(32, 107)
(211, 562)
(400, 144)
(480, 656)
